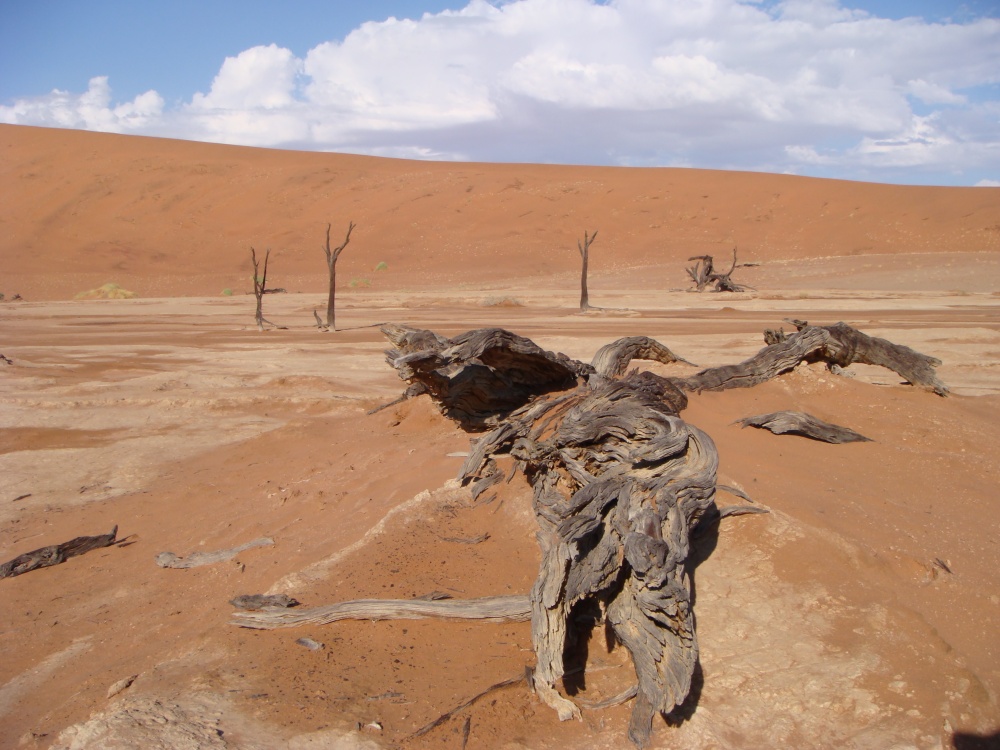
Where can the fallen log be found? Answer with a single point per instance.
(492, 609)
(54, 554)
(799, 423)
(197, 559)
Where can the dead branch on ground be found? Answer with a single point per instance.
(799, 423)
(54, 554)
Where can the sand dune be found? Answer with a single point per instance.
(165, 218)
(860, 612)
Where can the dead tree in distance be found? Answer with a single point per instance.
(331, 264)
(260, 288)
(584, 248)
(259, 284)
(703, 274)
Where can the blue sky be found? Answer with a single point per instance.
(878, 90)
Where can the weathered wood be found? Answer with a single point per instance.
(613, 359)
(197, 559)
(838, 344)
(262, 601)
(619, 481)
(800, 423)
(479, 377)
(850, 346)
(768, 363)
(492, 609)
(44, 557)
(620, 484)
(703, 274)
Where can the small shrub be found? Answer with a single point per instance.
(502, 302)
(359, 282)
(382, 266)
(107, 291)
(227, 292)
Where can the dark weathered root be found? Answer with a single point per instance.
(799, 423)
(54, 554)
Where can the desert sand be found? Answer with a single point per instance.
(861, 611)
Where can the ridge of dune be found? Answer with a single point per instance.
(177, 218)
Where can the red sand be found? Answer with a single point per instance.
(861, 612)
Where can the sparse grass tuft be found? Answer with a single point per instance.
(382, 266)
(502, 302)
(107, 291)
(227, 292)
(359, 282)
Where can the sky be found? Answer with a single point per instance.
(897, 91)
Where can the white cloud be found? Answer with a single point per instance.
(988, 183)
(90, 110)
(801, 85)
(260, 77)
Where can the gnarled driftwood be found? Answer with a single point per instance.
(54, 554)
(838, 344)
(620, 482)
(800, 423)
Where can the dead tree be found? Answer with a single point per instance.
(259, 284)
(331, 265)
(703, 274)
(620, 484)
(260, 289)
(584, 248)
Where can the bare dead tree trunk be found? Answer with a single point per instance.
(584, 248)
(259, 284)
(331, 264)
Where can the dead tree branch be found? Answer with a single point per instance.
(799, 423)
(838, 344)
(492, 609)
(54, 554)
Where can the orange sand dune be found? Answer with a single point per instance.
(860, 612)
(165, 218)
